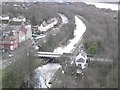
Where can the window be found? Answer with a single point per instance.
(11, 42)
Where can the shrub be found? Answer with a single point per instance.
(91, 47)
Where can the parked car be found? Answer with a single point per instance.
(10, 55)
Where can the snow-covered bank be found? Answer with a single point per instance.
(78, 32)
(104, 5)
(64, 18)
(45, 73)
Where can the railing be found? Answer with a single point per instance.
(52, 54)
(44, 55)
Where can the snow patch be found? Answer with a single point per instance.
(64, 18)
(78, 32)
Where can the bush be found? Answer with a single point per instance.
(91, 47)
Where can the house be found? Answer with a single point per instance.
(19, 19)
(9, 39)
(23, 28)
(29, 31)
(46, 25)
(81, 60)
(13, 36)
(4, 20)
(15, 32)
(22, 34)
(25, 32)
(8, 34)
(4, 17)
(35, 29)
(10, 43)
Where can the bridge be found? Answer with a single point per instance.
(52, 54)
(57, 55)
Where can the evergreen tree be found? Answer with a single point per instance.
(33, 20)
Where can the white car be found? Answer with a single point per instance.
(10, 55)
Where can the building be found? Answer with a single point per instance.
(29, 31)
(23, 28)
(9, 39)
(25, 33)
(81, 61)
(15, 32)
(19, 19)
(22, 34)
(4, 18)
(35, 29)
(46, 25)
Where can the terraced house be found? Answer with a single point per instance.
(15, 32)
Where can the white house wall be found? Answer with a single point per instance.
(43, 29)
(4, 18)
(11, 47)
(29, 32)
(21, 37)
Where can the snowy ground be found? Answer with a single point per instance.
(64, 18)
(45, 74)
(104, 5)
(78, 32)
